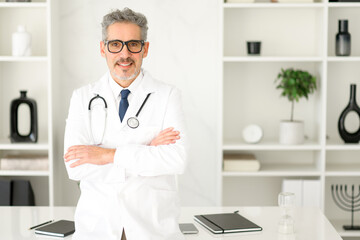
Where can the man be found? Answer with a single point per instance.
(126, 158)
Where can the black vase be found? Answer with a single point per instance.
(352, 106)
(343, 39)
(15, 136)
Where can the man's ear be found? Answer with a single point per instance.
(146, 49)
(102, 48)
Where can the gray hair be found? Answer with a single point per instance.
(126, 15)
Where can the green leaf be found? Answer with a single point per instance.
(295, 84)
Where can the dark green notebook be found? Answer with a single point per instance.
(60, 228)
(226, 223)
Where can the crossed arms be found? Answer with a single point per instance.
(101, 156)
(166, 154)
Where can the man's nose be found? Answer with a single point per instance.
(125, 52)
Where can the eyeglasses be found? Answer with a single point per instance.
(115, 46)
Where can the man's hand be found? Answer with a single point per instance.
(89, 154)
(165, 137)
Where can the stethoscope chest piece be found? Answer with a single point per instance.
(133, 122)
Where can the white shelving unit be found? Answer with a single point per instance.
(33, 74)
(302, 36)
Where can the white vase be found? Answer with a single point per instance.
(291, 132)
(21, 42)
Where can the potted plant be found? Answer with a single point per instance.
(294, 84)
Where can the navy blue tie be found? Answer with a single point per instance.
(124, 104)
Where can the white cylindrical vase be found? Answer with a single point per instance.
(21, 42)
(291, 132)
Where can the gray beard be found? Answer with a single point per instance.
(126, 78)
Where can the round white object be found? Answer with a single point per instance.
(252, 133)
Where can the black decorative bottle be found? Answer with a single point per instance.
(352, 106)
(15, 136)
(343, 39)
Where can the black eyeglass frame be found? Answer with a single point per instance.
(123, 44)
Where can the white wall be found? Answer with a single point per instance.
(183, 38)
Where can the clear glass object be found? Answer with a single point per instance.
(286, 201)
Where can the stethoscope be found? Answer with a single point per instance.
(132, 122)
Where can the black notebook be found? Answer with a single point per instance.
(60, 228)
(227, 223)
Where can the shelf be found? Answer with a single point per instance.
(343, 59)
(338, 226)
(22, 4)
(277, 170)
(23, 173)
(343, 5)
(273, 5)
(271, 59)
(23, 59)
(331, 145)
(341, 170)
(272, 146)
(7, 145)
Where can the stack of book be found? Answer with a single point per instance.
(241, 163)
(24, 162)
(307, 191)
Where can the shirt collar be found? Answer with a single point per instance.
(116, 88)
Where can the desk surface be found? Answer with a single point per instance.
(310, 223)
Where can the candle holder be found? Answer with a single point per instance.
(253, 47)
(347, 202)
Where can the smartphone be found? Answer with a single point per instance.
(188, 228)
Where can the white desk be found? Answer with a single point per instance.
(310, 223)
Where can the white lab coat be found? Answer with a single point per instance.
(138, 191)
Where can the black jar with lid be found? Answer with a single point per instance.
(15, 136)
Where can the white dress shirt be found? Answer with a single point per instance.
(116, 89)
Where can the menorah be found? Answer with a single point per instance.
(347, 202)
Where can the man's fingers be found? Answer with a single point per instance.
(69, 156)
(74, 155)
(172, 133)
(167, 130)
(165, 141)
(167, 137)
(168, 142)
(76, 147)
(170, 138)
(77, 163)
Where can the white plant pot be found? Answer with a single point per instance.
(291, 132)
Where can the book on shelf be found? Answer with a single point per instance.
(241, 163)
(22, 193)
(307, 191)
(5, 192)
(24, 162)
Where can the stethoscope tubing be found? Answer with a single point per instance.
(142, 105)
(132, 122)
(97, 96)
(90, 121)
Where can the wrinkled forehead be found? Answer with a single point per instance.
(124, 31)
